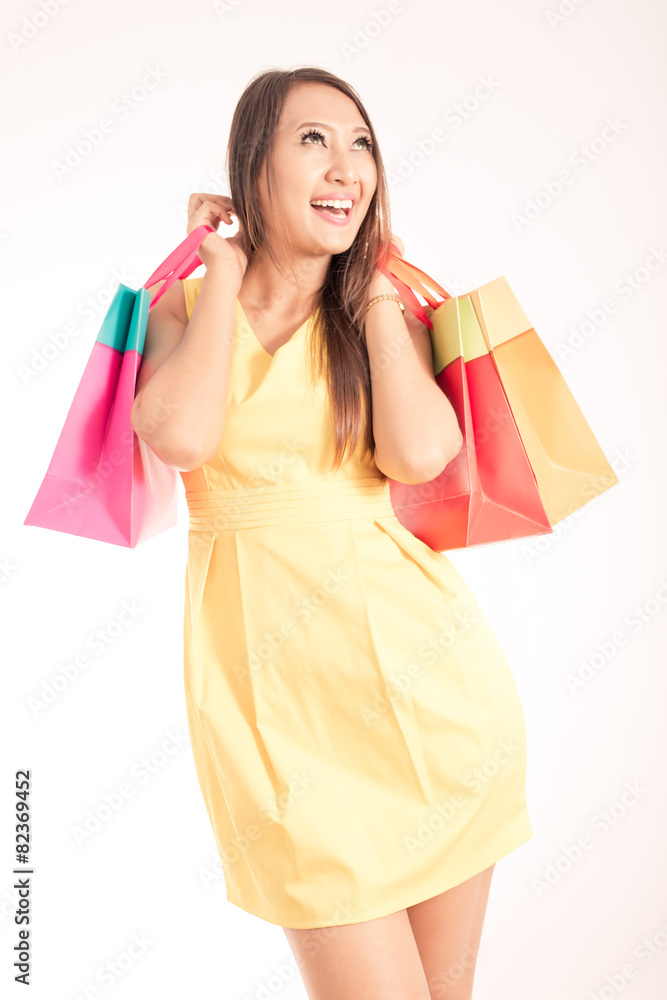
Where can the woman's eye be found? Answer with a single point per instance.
(317, 134)
(306, 135)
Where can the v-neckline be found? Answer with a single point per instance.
(256, 339)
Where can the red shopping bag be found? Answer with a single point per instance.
(489, 492)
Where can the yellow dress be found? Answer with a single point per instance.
(356, 729)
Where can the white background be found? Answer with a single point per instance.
(556, 81)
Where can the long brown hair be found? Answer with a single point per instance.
(338, 346)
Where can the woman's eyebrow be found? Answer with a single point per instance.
(359, 128)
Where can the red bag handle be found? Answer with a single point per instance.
(184, 260)
(406, 277)
(180, 263)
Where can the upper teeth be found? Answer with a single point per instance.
(334, 204)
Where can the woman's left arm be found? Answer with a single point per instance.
(414, 425)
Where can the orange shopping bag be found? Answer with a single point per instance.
(529, 458)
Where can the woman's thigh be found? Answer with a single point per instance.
(447, 930)
(373, 960)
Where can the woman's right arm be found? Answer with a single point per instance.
(181, 393)
(181, 397)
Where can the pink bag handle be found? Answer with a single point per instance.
(406, 276)
(180, 263)
(184, 260)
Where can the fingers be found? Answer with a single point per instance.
(213, 207)
(223, 199)
(197, 199)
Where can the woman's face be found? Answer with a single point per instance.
(328, 160)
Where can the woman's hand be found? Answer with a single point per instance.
(208, 210)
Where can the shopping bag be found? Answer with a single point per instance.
(103, 481)
(529, 458)
(570, 467)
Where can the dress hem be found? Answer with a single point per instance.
(388, 908)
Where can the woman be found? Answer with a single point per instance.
(356, 730)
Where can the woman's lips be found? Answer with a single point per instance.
(334, 220)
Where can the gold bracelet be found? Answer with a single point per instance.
(378, 298)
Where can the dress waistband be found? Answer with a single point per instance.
(330, 500)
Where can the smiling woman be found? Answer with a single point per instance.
(344, 691)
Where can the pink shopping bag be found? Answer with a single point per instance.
(103, 481)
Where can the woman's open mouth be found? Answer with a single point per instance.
(337, 216)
